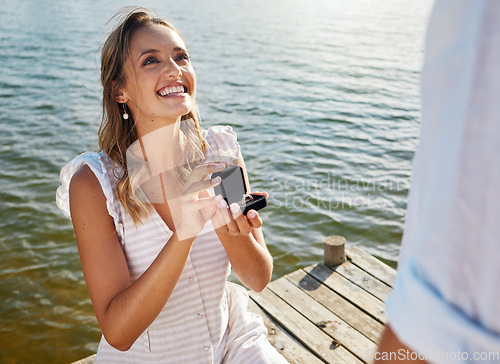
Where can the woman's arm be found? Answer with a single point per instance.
(123, 310)
(244, 243)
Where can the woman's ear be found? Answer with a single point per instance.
(118, 93)
(120, 98)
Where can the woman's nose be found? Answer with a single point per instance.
(173, 69)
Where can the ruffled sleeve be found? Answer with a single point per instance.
(222, 144)
(96, 163)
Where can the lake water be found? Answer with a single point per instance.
(324, 97)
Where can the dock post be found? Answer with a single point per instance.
(334, 250)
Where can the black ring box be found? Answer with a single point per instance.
(233, 188)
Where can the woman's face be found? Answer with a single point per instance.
(161, 83)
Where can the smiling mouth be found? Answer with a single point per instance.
(168, 91)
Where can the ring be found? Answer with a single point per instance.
(246, 199)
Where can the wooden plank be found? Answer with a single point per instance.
(287, 345)
(302, 329)
(350, 291)
(362, 322)
(372, 265)
(326, 320)
(364, 280)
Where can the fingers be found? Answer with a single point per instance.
(263, 193)
(218, 221)
(242, 223)
(194, 214)
(199, 173)
(197, 179)
(254, 219)
(232, 221)
(203, 203)
(188, 209)
(209, 212)
(227, 219)
(221, 218)
(200, 186)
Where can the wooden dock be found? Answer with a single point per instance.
(327, 315)
(319, 314)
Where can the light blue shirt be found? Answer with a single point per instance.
(446, 301)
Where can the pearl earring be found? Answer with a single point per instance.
(125, 115)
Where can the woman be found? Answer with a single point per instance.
(155, 244)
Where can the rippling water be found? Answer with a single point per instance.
(324, 96)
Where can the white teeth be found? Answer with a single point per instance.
(170, 90)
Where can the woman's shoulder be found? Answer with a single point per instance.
(84, 187)
(97, 161)
(84, 177)
(222, 143)
(88, 170)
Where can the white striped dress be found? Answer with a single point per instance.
(205, 319)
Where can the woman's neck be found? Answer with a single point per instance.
(161, 147)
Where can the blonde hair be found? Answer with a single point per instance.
(115, 133)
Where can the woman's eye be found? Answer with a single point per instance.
(150, 60)
(182, 57)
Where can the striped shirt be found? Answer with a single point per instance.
(205, 319)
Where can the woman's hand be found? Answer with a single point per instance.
(230, 220)
(244, 243)
(195, 205)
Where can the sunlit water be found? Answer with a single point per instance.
(324, 97)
